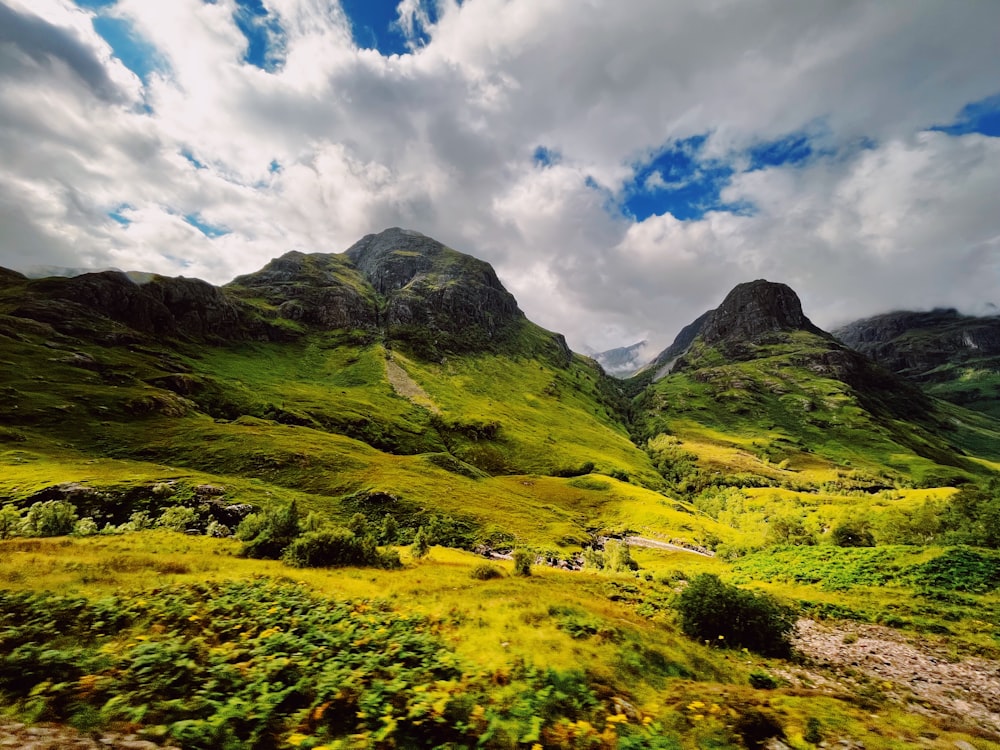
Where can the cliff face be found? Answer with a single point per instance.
(752, 311)
(434, 296)
(915, 343)
(400, 284)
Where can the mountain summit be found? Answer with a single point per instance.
(752, 311)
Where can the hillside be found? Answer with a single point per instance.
(951, 356)
(452, 531)
(756, 375)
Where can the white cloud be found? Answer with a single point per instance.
(443, 141)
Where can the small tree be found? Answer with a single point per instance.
(389, 533)
(522, 562)
(618, 556)
(85, 527)
(268, 534)
(852, 534)
(420, 546)
(51, 518)
(10, 522)
(721, 614)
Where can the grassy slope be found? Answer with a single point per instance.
(776, 408)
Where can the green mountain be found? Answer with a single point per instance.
(951, 356)
(400, 370)
(756, 375)
(374, 424)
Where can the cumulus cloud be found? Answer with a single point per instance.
(331, 141)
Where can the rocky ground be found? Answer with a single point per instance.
(884, 663)
(60, 737)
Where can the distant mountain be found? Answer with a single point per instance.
(622, 361)
(953, 356)
(757, 369)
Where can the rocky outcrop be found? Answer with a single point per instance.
(319, 289)
(162, 307)
(752, 311)
(916, 343)
(435, 298)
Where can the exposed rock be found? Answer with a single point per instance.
(753, 310)
(320, 289)
(436, 298)
(915, 343)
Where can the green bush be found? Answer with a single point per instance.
(725, 615)
(85, 527)
(522, 562)
(178, 518)
(51, 518)
(852, 534)
(486, 572)
(217, 530)
(10, 522)
(334, 546)
(267, 535)
(618, 557)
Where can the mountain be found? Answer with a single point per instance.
(622, 361)
(345, 406)
(400, 368)
(952, 356)
(757, 373)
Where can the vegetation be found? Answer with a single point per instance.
(725, 615)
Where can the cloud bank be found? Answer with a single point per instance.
(622, 164)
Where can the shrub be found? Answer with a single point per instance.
(334, 546)
(762, 680)
(852, 534)
(138, 521)
(51, 518)
(721, 614)
(618, 557)
(593, 559)
(268, 534)
(486, 572)
(522, 562)
(420, 546)
(217, 530)
(389, 532)
(178, 518)
(10, 522)
(85, 527)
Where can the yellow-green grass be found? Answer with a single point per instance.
(497, 624)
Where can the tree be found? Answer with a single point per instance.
(522, 562)
(725, 615)
(420, 546)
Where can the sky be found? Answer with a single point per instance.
(621, 163)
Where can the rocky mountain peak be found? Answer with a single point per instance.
(393, 258)
(753, 310)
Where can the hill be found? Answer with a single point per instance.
(951, 356)
(755, 375)
(452, 531)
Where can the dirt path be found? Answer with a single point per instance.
(641, 541)
(917, 673)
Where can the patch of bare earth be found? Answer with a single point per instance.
(920, 674)
(408, 388)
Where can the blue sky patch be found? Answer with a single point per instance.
(981, 117)
(677, 181)
(546, 157)
(794, 148)
(373, 25)
(263, 33)
(211, 231)
(136, 53)
(118, 216)
(193, 160)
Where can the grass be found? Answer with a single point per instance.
(620, 626)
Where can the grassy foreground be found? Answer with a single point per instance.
(178, 637)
